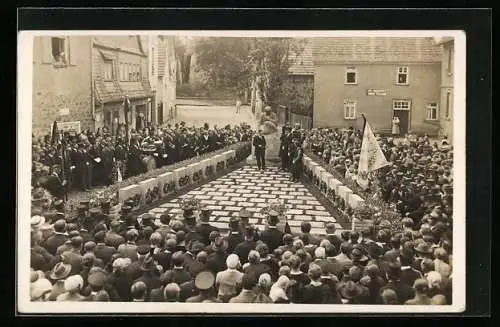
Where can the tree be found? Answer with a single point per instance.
(222, 62)
(269, 61)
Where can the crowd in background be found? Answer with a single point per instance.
(87, 159)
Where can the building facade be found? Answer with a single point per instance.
(162, 69)
(447, 74)
(62, 83)
(119, 70)
(380, 77)
(81, 82)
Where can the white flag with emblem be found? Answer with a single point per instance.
(371, 157)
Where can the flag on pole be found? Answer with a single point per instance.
(371, 157)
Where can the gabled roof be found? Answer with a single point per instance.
(302, 64)
(131, 44)
(375, 49)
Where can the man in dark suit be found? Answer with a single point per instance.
(272, 236)
(164, 258)
(297, 161)
(57, 239)
(235, 237)
(332, 237)
(103, 251)
(180, 274)
(404, 292)
(244, 248)
(112, 237)
(204, 228)
(259, 143)
(285, 143)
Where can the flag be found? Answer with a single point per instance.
(55, 133)
(371, 157)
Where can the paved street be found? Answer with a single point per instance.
(214, 115)
(247, 187)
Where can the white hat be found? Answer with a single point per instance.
(320, 253)
(40, 288)
(37, 221)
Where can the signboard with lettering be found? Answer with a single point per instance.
(376, 92)
(63, 111)
(69, 126)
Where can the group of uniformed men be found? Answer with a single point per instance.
(100, 158)
(291, 151)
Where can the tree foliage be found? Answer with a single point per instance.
(227, 62)
(298, 96)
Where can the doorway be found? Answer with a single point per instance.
(401, 109)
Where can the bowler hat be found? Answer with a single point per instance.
(126, 209)
(147, 217)
(94, 212)
(273, 213)
(37, 221)
(85, 203)
(148, 264)
(350, 290)
(130, 203)
(60, 271)
(97, 277)
(204, 280)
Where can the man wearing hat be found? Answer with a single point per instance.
(96, 279)
(60, 210)
(58, 274)
(204, 282)
(163, 226)
(244, 221)
(249, 244)
(73, 255)
(272, 236)
(57, 239)
(149, 274)
(203, 229)
(234, 237)
(103, 251)
(404, 292)
(297, 164)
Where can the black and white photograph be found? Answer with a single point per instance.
(241, 171)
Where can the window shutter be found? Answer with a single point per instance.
(46, 49)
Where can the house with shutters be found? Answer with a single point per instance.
(162, 70)
(81, 82)
(380, 77)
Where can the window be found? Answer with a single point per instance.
(108, 70)
(448, 99)
(401, 104)
(432, 111)
(402, 78)
(351, 75)
(121, 71)
(139, 73)
(59, 50)
(130, 72)
(349, 109)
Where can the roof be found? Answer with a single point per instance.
(302, 64)
(375, 49)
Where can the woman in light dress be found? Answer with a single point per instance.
(395, 126)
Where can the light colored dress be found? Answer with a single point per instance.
(395, 126)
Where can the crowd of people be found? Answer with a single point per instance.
(83, 160)
(97, 256)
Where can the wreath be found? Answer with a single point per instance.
(190, 203)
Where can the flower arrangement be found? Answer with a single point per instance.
(277, 205)
(190, 203)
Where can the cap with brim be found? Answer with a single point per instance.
(126, 209)
(204, 280)
(147, 216)
(94, 211)
(273, 213)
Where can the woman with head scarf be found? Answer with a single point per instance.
(278, 290)
(73, 285)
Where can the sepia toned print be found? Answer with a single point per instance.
(249, 172)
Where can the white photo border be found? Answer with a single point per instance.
(24, 128)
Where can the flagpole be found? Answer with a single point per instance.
(364, 122)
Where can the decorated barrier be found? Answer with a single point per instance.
(343, 197)
(153, 189)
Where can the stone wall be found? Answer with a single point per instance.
(61, 92)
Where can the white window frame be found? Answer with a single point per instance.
(348, 70)
(432, 106)
(403, 70)
(107, 73)
(348, 106)
(450, 61)
(401, 104)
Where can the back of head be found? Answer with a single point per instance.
(294, 262)
(439, 299)
(76, 242)
(232, 261)
(421, 286)
(248, 281)
(100, 236)
(305, 227)
(389, 296)
(346, 248)
(172, 292)
(315, 272)
(330, 250)
(287, 239)
(263, 250)
(330, 228)
(253, 257)
(354, 237)
(201, 257)
(178, 259)
(60, 226)
(320, 253)
(138, 290)
(171, 244)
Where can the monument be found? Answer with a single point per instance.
(268, 123)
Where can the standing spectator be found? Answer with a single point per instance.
(228, 281)
(421, 288)
(248, 282)
(259, 143)
(73, 285)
